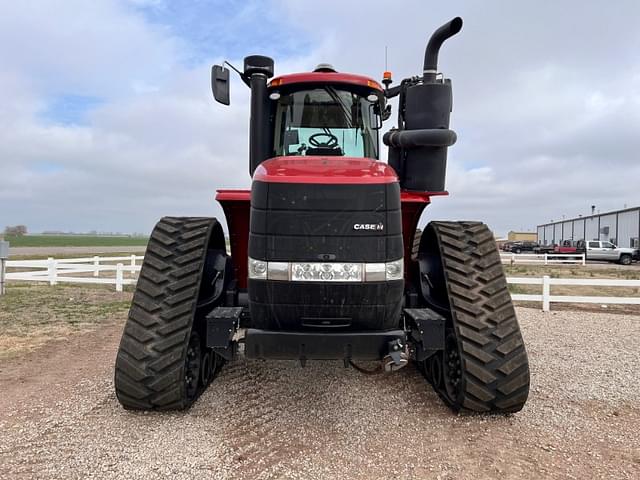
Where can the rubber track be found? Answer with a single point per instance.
(149, 371)
(495, 368)
(415, 247)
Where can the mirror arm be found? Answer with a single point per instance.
(392, 92)
(245, 78)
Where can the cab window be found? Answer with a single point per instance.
(328, 121)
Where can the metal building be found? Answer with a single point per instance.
(522, 236)
(621, 227)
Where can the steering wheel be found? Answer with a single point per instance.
(331, 142)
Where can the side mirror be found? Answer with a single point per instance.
(220, 84)
(378, 115)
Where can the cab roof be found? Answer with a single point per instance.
(325, 77)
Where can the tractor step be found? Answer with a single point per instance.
(427, 331)
(222, 324)
(276, 345)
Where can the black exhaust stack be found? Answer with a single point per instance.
(446, 31)
(418, 148)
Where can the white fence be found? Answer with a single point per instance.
(546, 298)
(77, 270)
(543, 258)
(89, 270)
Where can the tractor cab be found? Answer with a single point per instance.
(324, 113)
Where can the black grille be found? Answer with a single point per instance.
(304, 222)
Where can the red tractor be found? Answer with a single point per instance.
(325, 262)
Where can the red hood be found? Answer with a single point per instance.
(334, 170)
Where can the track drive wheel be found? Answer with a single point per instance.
(484, 366)
(162, 362)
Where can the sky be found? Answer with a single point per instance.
(107, 121)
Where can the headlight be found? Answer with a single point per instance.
(326, 272)
(257, 269)
(394, 270)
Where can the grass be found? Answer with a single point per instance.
(33, 314)
(75, 241)
(569, 271)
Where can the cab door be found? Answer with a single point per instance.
(609, 251)
(595, 251)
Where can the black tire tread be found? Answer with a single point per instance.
(150, 360)
(495, 368)
(415, 247)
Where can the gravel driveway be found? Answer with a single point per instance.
(59, 417)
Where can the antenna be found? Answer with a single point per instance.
(386, 76)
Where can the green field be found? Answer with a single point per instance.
(76, 241)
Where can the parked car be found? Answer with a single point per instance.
(565, 247)
(544, 248)
(506, 246)
(597, 250)
(523, 246)
(570, 246)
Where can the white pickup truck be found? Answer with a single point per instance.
(608, 251)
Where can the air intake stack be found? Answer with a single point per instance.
(258, 69)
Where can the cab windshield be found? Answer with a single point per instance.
(326, 121)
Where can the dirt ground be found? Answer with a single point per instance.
(59, 417)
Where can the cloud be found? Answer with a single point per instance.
(546, 101)
(150, 144)
(102, 48)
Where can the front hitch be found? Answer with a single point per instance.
(397, 357)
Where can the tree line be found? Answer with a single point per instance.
(15, 230)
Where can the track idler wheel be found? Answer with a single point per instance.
(192, 367)
(451, 369)
(210, 366)
(434, 370)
